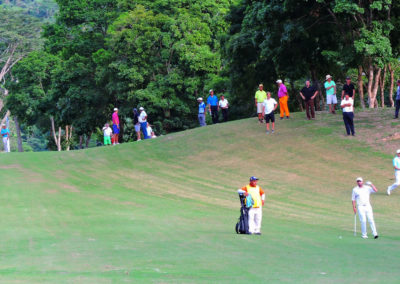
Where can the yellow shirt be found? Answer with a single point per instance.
(256, 194)
(260, 96)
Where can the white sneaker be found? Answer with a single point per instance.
(364, 237)
(388, 190)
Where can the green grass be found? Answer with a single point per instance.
(163, 211)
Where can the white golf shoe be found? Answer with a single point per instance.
(364, 236)
(388, 190)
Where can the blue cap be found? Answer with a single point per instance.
(253, 178)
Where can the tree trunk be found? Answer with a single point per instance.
(88, 139)
(361, 86)
(68, 136)
(296, 95)
(391, 71)
(373, 84)
(382, 80)
(57, 140)
(80, 141)
(19, 138)
(319, 98)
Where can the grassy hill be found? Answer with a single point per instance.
(164, 210)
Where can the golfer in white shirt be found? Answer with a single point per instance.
(223, 105)
(269, 106)
(396, 166)
(361, 195)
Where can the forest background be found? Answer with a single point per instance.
(66, 64)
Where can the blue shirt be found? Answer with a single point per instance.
(212, 101)
(4, 131)
(396, 162)
(202, 107)
(398, 93)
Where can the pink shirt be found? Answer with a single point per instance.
(115, 118)
(282, 91)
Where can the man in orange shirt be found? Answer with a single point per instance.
(255, 212)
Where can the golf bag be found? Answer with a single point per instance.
(242, 226)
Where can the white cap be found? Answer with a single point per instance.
(359, 179)
(328, 77)
(211, 90)
(141, 108)
(115, 109)
(200, 99)
(398, 151)
(279, 81)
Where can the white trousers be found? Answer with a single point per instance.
(365, 212)
(6, 143)
(397, 182)
(255, 217)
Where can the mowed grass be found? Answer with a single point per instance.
(164, 210)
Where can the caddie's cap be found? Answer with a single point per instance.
(359, 179)
(398, 151)
(115, 109)
(279, 81)
(328, 77)
(253, 178)
(200, 99)
(141, 108)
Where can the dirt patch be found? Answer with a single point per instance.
(14, 166)
(395, 136)
(52, 191)
(70, 188)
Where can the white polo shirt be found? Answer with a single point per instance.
(142, 117)
(223, 103)
(361, 195)
(396, 162)
(269, 105)
(349, 101)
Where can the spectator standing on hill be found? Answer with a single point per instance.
(283, 96)
(107, 132)
(331, 99)
(137, 124)
(143, 122)
(348, 88)
(361, 195)
(212, 102)
(202, 112)
(396, 114)
(308, 94)
(348, 114)
(269, 106)
(5, 133)
(255, 212)
(396, 166)
(259, 98)
(224, 105)
(115, 120)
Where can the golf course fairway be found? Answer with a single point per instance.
(164, 210)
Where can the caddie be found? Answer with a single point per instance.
(396, 166)
(255, 212)
(361, 195)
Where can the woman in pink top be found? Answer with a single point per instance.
(283, 99)
(115, 120)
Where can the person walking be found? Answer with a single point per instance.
(224, 105)
(255, 212)
(115, 120)
(308, 94)
(348, 88)
(107, 132)
(396, 114)
(348, 114)
(283, 99)
(269, 106)
(212, 102)
(137, 124)
(202, 112)
(360, 195)
(331, 99)
(396, 166)
(259, 98)
(143, 122)
(5, 133)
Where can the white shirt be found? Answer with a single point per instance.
(396, 162)
(349, 101)
(142, 117)
(149, 131)
(223, 103)
(361, 195)
(269, 105)
(107, 131)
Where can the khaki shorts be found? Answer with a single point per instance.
(260, 107)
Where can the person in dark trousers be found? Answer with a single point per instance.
(396, 114)
(137, 124)
(224, 105)
(212, 102)
(348, 88)
(348, 114)
(308, 94)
